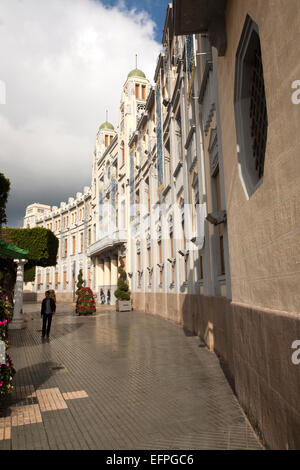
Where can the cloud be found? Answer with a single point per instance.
(63, 63)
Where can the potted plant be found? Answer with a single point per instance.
(122, 293)
(85, 303)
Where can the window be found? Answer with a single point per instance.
(160, 262)
(220, 226)
(66, 248)
(172, 256)
(74, 245)
(149, 265)
(137, 201)
(186, 256)
(178, 135)
(122, 153)
(106, 141)
(56, 280)
(148, 194)
(81, 242)
(90, 236)
(47, 281)
(200, 272)
(144, 92)
(250, 106)
(137, 91)
(139, 269)
(65, 280)
(39, 280)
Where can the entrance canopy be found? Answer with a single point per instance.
(7, 250)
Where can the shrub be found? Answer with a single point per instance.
(122, 293)
(42, 245)
(80, 282)
(85, 301)
(7, 370)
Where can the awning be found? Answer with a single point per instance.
(201, 16)
(7, 250)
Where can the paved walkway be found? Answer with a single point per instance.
(118, 381)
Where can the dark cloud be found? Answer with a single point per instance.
(64, 63)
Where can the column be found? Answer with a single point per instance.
(107, 272)
(99, 276)
(114, 278)
(100, 272)
(18, 321)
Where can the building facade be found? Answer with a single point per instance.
(198, 191)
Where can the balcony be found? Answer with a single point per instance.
(108, 242)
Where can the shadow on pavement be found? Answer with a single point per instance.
(32, 336)
(35, 375)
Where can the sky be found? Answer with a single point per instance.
(63, 63)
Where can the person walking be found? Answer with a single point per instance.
(108, 297)
(47, 310)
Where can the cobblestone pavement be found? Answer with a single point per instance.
(118, 381)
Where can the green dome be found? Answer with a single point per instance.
(107, 125)
(136, 73)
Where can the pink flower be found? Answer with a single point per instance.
(1, 383)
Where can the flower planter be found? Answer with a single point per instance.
(123, 306)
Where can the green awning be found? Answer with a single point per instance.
(7, 250)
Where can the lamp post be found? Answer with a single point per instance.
(18, 321)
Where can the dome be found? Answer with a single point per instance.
(107, 125)
(136, 73)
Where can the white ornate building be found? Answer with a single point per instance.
(92, 228)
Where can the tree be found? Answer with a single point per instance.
(80, 282)
(4, 190)
(42, 245)
(122, 293)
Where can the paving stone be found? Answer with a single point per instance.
(119, 381)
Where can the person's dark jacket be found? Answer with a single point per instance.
(52, 305)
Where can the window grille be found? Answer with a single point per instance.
(250, 108)
(258, 113)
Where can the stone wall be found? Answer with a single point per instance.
(264, 230)
(60, 296)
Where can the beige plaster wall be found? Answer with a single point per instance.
(255, 346)
(264, 231)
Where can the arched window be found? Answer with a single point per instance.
(251, 116)
(122, 148)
